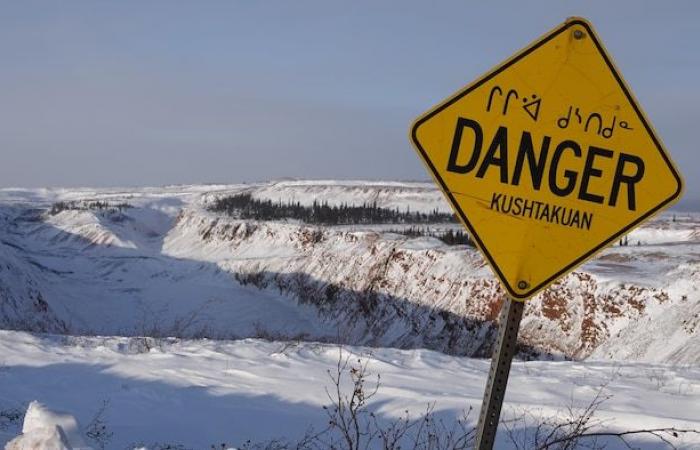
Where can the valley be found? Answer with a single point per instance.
(100, 280)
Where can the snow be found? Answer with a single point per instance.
(197, 393)
(169, 268)
(43, 438)
(112, 277)
(423, 197)
(47, 429)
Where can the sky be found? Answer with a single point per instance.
(98, 93)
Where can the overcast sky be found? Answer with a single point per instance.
(149, 93)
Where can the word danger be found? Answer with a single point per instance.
(568, 169)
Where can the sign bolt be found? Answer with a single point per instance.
(523, 284)
(578, 34)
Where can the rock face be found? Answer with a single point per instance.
(416, 292)
(166, 266)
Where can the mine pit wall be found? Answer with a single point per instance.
(414, 293)
(23, 304)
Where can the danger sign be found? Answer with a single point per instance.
(547, 159)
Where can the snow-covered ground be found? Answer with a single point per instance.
(199, 393)
(168, 267)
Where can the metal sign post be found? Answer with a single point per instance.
(511, 314)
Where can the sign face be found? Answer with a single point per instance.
(547, 159)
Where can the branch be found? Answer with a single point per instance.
(659, 433)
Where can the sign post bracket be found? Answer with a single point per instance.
(497, 381)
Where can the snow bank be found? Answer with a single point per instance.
(196, 393)
(45, 429)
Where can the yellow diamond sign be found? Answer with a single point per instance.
(547, 159)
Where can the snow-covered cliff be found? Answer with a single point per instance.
(167, 266)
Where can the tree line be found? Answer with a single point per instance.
(244, 206)
(86, 205)
(449, 237)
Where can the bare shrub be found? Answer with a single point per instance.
(579, 428)
(353, 425)
(10, 418)
(97, 429)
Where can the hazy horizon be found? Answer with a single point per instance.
(164, 93)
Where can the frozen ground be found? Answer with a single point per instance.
(169, 267)
(197, 393)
